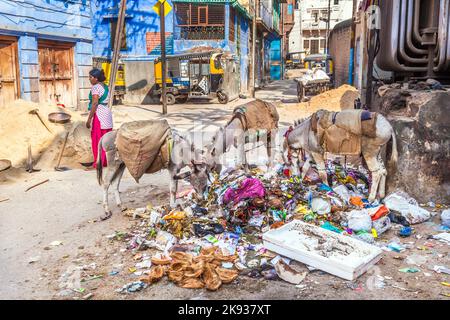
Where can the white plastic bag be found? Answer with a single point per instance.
(445, 217)
(359, 220)
(408, 208)
(343, 192)
(382, 225)
(320, 206)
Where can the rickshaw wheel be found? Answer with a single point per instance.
(170, 98)
(300, 91)
(182, 99)
(223, 97)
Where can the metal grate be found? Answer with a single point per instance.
(188, 14)
(232, 22)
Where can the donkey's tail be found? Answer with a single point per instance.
(99, 163)
(394, 153)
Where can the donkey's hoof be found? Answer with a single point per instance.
(106, 216)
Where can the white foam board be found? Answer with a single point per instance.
(329, 251)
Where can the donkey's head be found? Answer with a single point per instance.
(214, 150)
(184, 154)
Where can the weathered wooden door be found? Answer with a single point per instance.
(9, 84)
(56, 73)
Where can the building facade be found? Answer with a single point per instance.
(140, 43)
(311, 23)
(45, 51)
(215, 24)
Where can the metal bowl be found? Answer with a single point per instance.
(5, 164)
(59, 117)
(86, 164)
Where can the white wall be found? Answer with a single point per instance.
(295, 36)
(341, 11)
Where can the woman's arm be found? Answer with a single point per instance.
(93, 110)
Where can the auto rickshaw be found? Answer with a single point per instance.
(193, 75)
(105, 64)
(324, 61)
(295, 60)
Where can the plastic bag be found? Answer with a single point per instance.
(343, 192)
(320, 206)
(445, 217)
(382, 225)
(359, 220)
(408, 207)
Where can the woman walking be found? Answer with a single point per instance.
(100, 117)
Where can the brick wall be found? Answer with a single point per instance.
(340, 52)
(153, 43)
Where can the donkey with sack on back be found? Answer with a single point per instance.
(147, 147)
(349, 132)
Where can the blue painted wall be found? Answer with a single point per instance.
(140, 19)
(61, 20)
(244, 50)
(241, 22)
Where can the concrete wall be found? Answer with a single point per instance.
(244, 50)
(139, 79)
(31, 20)
(340, 51)
(295, 36)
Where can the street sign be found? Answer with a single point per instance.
(167, 7)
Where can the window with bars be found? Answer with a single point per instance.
(201, 22)
(306, 44)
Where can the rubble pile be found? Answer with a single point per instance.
(210, 242)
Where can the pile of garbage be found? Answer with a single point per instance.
(211, 241)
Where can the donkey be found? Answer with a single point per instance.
(183, 154)
(238, 131)
(303, 138)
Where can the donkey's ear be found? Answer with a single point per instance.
(183, 175)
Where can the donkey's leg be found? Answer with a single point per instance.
(305, 167)
(375, 168)
(318, 158)
(382, 186)
(269, 150)
(106, 184)
(242, 156)
(116, 183)
(173, 186)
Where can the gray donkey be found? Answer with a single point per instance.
(183, 154)
(252, 121)
(303, 138)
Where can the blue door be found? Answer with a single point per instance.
(275, 59)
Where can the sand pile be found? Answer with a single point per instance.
(334, 100)
(18, 128)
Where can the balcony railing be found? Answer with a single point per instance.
(265, 14)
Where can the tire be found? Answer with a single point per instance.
(300, 92)
(182, 99)
(223, 97)
(170, 98)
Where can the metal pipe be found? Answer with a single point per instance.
(442, 34)
(409, 31)
(416, 24)
(401, 47)
(447, 64)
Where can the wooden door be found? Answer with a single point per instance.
(56, 73)
(9, 84)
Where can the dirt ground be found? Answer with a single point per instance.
(65, 209)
